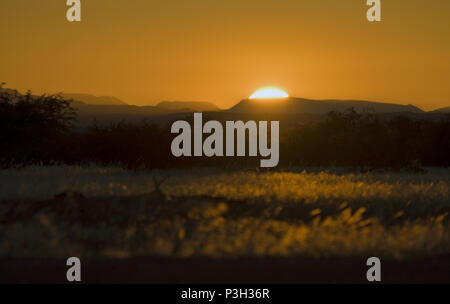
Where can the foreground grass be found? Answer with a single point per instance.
(109, 212)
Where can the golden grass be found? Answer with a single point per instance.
(218, 214)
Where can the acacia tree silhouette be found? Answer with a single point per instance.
(30, 125)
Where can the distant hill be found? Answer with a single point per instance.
(82, 98)
(114, 113)
(94, 100)
(125, 110)
(186, 106)
(442, 110)
(308, 106)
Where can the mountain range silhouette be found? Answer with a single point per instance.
(90, 106)
(294, 105)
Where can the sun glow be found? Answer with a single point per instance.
(269, 93)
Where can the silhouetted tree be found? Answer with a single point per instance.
(31, 125)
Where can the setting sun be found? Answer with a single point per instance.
(267, 93)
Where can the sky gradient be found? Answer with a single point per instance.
(145, 51)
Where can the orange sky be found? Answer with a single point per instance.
(144, 51)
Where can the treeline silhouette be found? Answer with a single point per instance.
(43, 130)
(369, 141)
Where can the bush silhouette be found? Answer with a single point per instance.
(30, 126)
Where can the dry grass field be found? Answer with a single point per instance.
(108, 213)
